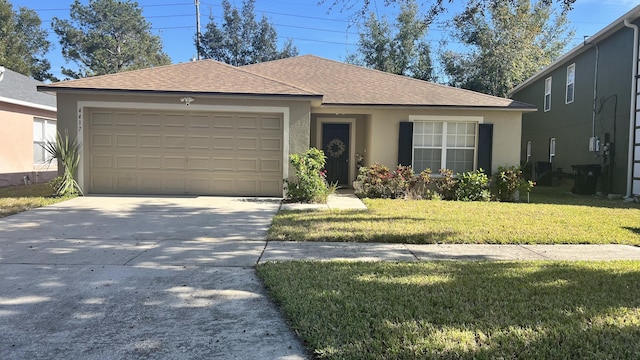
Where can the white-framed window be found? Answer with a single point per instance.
(552, 149)
(571, 81)
(444, 145)
(528, 150)
(44, 131)
(547, 94)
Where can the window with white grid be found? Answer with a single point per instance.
(444, 145)
(44, 131)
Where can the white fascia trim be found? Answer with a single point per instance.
(478, 119)
(81, 105)
(28, 104)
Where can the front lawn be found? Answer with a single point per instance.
(553, 217)
(15, 199)
(461, 310)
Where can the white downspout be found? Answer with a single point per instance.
(632, 111)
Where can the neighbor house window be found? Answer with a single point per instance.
(571, 80)
(547, 94)
(552, 149)
(44, 131)
(528, 150)
(444, 145)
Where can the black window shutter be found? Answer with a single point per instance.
(485, 147)
(405, 143)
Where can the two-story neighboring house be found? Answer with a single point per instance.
(588, 109)
(28, 120)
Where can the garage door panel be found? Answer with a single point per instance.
(101, 118)
(223, 121)
(175, 162)
(126, 162)
(250, 144)
(150, 162)
(126, 119)
(199, 163)
(126, 140)
(150, 141)
(185, 153)
(102, 161)
(101, 139)
(271, 123)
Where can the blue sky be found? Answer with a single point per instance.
(313, 28)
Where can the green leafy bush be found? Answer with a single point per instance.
(310, 183)
(508, 182)
(473, 186)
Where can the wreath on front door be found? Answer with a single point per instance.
(335, 148)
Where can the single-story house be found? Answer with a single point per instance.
(208, 128)
(588, 103)
(28, 120)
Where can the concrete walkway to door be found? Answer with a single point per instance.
(139, 278)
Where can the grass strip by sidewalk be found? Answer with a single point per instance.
(461, 310)
(15, 199)
(427, 222)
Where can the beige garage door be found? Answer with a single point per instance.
(200, 153)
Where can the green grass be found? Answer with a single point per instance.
(15, 199)
(553, 217)
(461, 310)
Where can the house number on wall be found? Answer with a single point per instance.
(335, 148)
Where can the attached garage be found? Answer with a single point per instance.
(184, 152)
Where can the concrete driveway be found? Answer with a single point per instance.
(139, 278)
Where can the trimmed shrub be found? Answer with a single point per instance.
(508, 182)
(473, 186)
(310, 183)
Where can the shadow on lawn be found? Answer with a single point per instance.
(480, 310)
(561, 195)
(351, 226)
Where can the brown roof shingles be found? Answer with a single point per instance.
(205, 76)
(309, 76)
(345, 84)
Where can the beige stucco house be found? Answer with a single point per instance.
(28, 119)
(212, 129)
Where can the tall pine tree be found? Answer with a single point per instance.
(240, 39)
(400, 48)
(106, 37)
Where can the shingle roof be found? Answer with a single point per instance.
(345, 84)
(20, 89)
(205, 76)
(337, 83)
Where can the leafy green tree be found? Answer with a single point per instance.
(23, 43)
(505, 46)
(402, 50)
(106, 37)
(240, 39)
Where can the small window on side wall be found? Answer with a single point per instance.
(552, 149)
(528, 151)
(571, 80)
(547, 94)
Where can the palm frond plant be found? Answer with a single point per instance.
(68, 153)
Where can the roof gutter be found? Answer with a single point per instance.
(633, 108)
(430, 107)
(27, 104)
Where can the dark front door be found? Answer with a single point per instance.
(335, 143)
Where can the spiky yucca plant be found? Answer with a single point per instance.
(68, 153)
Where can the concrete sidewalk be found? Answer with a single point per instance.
(291, 250)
